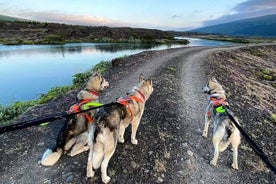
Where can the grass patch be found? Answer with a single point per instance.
(14, 110)
(273, 116)
(267, 74)
(257, 52)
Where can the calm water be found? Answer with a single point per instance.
(26, 71)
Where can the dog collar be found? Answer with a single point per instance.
(141, 94)
(96, 93)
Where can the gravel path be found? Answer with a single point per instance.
(170, 146)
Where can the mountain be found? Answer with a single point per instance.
(8, 18)
(264, 26)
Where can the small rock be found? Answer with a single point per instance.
(185, 144)
(133, 164)
(40, 144)
(69, 179)
(181, 173)
(190, 153)
(146, 171)
(160, 180)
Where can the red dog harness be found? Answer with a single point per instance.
(77, 107)
(125, 101)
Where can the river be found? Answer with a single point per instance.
(27, 71)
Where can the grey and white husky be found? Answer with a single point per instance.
(110, 125)
(224, 130)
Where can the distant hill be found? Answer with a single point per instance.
(8, 18)
(22, 31)
(264, 26)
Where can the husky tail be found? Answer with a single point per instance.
(49, 158)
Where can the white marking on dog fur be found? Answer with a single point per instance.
(49, 157)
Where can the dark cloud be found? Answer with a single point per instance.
(247, 9)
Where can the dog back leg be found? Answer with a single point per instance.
(223, 145)
(108, 152)
(89, 167)
(236, 139)
(79, 146)
(206, 126)
(98, 154)
(217, 138)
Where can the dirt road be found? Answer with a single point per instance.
(170, 146)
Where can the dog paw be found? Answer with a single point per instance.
(121, 140)
(90, 174)
(213, 163)
(235, 166)
(106, 179)
(134, 141)
(204, 134)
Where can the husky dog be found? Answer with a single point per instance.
(224, 131)
(73, 136)
(110, 125)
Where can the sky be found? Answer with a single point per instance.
(155, 14)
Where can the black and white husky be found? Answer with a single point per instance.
(73, 137)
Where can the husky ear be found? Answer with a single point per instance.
(214, 79)
(141, 78)
(95, 73)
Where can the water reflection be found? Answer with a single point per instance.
(28, 70)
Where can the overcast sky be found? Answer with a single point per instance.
(158, 14)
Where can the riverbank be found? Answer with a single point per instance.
(170, 146)
(227, 38)
(29, 33)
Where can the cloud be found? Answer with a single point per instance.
(53, 16)
(176, 16)
(247, 9)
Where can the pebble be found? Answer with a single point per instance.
(188, 161)
(190, 153)
(185, 144)
(133, 164)
(69, 179)
(181, 173)
(40, 144)
(160, 180)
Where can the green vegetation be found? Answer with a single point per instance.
(10, 112)
(32, 32)
(257, 52)
(273, 116)
(267, 74)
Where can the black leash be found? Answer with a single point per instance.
(255, 147)
(53, 117)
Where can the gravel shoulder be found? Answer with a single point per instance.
(170, 146)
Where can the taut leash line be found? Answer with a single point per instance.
(254, 146)
(50, 118)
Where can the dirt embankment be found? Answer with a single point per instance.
(170, 147)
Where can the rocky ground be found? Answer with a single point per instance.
(170, 146)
